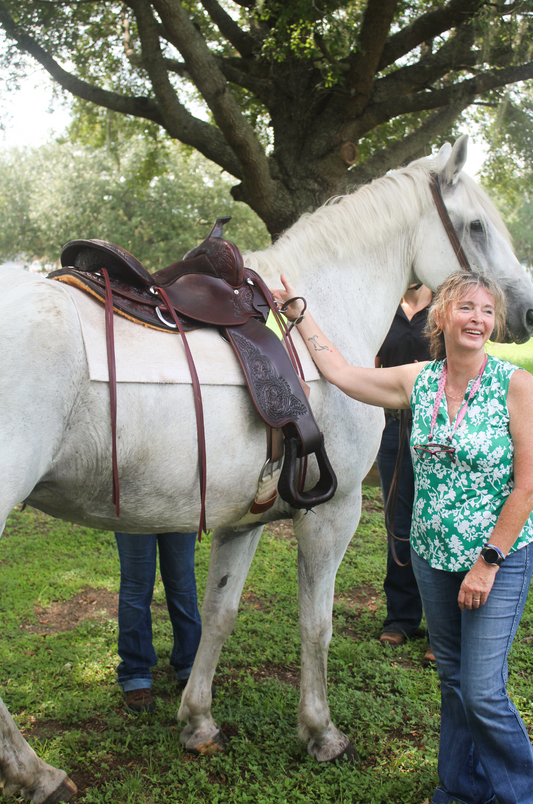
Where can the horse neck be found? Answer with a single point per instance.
(358, 301)
(355, 302)
(353, 259)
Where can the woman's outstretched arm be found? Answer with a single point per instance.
(386, 387)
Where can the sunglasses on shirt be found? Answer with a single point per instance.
(440, 451)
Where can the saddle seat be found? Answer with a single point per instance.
(209, 286)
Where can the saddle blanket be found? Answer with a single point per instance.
(147, 355)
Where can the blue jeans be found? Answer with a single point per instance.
(485, 754)
(404, 607)
(137, 553)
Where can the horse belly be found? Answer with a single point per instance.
(158, 459)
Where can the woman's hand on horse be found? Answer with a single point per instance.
(476, 585)
(288, 292)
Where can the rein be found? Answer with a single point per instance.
(390, 508)
(392, 499)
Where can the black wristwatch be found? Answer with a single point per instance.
(492, 555)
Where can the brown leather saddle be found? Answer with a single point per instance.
(210, 286)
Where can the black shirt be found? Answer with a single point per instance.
(405, 342)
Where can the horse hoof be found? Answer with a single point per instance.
(64, 792)
(216, 745)
(347, 755)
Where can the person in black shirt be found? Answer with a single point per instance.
(405, 343)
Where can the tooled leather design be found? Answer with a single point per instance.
(272, 392)
(243, 301)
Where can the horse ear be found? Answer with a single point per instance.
(443, 156)
(456, 161)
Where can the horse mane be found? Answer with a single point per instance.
(355, 221)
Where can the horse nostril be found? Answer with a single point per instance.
(529, 318)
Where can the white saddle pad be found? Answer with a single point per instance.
(147, 355)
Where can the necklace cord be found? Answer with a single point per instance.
(461, 414)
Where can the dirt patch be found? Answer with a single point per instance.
(373, 506)
(289, 675)
(361, 597)
(283, 675)
(282, 529)
(66, 615)
(254, 602)
(45, 729)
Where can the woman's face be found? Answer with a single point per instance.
(469, 321)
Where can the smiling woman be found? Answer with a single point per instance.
(472, 438)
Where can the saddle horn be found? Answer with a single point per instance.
(223, 254)
(216, 231)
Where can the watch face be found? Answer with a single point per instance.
(491, 556)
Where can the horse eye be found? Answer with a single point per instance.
(476, 226)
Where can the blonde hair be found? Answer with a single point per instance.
(453, 289)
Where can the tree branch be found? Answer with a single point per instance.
(240, 40)
(212, 85)
(177, 120)
(402, 150)
(129, 48)
(455, 54)
(427, 26)
(379, 113)
(234, 74)
(137, 106)
(177, 67)
(375, 27)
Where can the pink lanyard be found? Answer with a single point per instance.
(460, 416)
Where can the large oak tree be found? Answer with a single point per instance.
(297, 99)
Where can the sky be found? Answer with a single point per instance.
(36, 116)
(33, 115)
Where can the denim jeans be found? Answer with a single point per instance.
(138, 553)
(485, 753)
(404, 607)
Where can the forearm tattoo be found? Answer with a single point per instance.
(317, 346)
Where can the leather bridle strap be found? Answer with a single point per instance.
(112, 371)
(198, 406)
(448, 225)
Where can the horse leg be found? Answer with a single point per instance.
(231, 555)
(21, 770)
(320, 551)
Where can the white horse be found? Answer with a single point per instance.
(355, 256)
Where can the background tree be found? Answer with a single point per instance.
(156, 201)
(508, 169)
(297, 100)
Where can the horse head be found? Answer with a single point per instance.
(481, 233)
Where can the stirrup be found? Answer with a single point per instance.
(325, 487)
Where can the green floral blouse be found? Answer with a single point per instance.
(457, 504)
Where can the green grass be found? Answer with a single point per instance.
(521, 354)
(61, 688)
